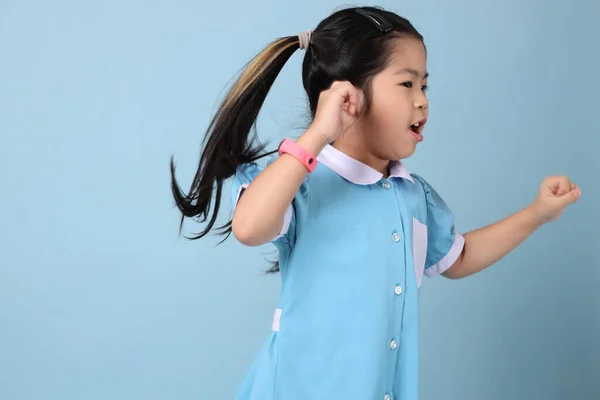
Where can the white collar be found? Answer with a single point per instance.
(357, 172)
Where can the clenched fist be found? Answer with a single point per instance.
(556, 193)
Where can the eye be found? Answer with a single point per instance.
(409, 85)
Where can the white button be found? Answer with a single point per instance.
(393, 345)
(387, 397)
(398, 289)
(386, 185)
(396, 237)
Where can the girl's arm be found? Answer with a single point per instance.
(258, 216)
(487, 245)
(484, 247)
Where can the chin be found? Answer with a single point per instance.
(403, 152)
(396, 151)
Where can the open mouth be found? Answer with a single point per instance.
(417, 129)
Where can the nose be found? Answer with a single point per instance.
(421, 101)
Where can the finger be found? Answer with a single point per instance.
(568, 198)
(352, 102)
(357, 98)
(352, 110)
(343, 90)
(561, 186)
(564, 186)
(340, 91)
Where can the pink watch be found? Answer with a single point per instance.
(301, 154)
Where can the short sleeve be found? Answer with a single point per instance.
(444, 242)
(245, 174)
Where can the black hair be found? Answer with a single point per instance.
(352, 44)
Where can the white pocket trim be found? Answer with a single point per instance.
(419, 249)
(276, 320)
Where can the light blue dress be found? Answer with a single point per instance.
(353, 251)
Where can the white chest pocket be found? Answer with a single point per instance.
(419, 249)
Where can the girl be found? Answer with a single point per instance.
(355, 231)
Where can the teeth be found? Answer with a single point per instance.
(416, 125)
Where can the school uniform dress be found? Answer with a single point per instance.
(353, 250)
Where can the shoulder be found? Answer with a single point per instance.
(421, 182)
(421, 187)
(247, 172)
(432, 197)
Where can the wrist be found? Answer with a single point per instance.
(313, 141)
(534, 216)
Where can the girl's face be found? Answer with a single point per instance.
(394, 124)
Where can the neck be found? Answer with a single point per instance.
(352, 145)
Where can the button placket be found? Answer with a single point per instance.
(395, 332)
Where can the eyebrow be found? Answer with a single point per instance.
(412, 72)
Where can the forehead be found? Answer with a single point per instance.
(408, 54)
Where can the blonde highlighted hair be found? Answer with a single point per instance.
(351, 45)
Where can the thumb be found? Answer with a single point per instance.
(568, 198)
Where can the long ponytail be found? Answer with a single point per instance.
(228, 141)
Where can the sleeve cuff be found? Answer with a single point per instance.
(287, 219)
(449, 259)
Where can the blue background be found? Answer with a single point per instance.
(100, 298)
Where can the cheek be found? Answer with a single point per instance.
(393, 103)
(392, 116)
(385, 108)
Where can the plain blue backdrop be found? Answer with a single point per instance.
(101, 299)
